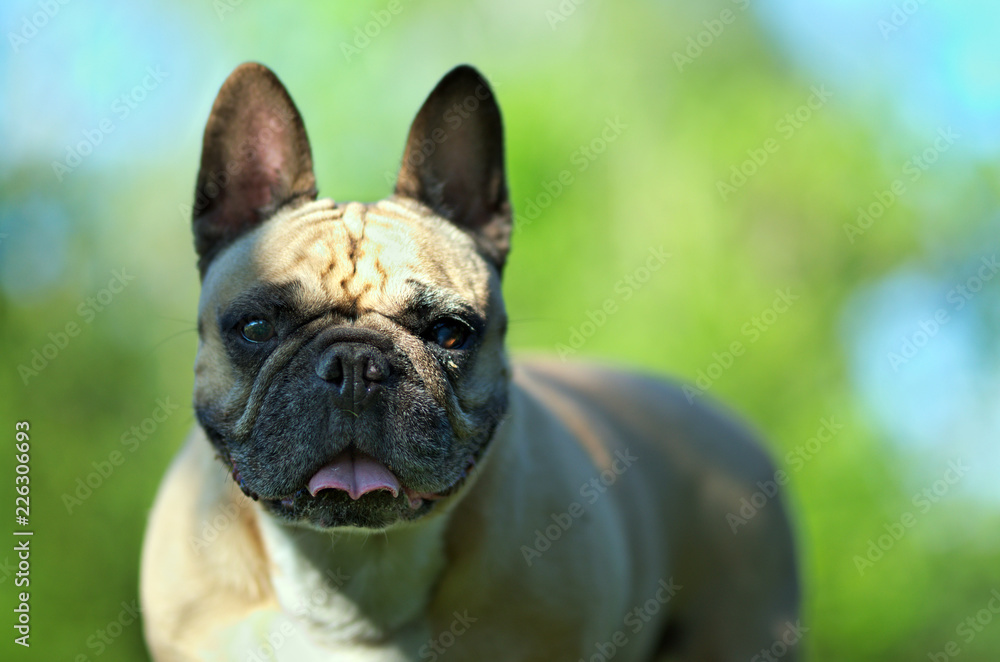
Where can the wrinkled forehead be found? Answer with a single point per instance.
(360, 257)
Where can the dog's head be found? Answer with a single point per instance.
(351, 369)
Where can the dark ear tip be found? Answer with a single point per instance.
(464, 76)
(250, 75)
(464, 70)
(248, 67)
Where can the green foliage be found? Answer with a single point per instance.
(653, 186)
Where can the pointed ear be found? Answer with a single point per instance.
(255, 159)
(454, 160)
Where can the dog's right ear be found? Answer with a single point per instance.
(255, 159)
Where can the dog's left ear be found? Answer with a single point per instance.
(255, 159)
(454, 162)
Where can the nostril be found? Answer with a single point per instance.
(374, 372)
(331, 369)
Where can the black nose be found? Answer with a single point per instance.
(355, 372)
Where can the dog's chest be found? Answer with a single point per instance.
(281, 637)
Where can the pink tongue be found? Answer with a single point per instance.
(354, 473)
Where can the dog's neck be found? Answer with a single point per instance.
(367, 586)
(356, 585)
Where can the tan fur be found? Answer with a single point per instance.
(203, 561)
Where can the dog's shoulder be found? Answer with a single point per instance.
(203, 562)
(677, 421)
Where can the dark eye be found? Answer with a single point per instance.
(257, 331)
(450, 333)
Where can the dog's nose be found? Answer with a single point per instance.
(355, 372)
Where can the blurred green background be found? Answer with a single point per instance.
(838, 155)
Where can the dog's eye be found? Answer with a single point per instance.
(258, 331)
(450, 333)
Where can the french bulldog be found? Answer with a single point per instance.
(372, 479)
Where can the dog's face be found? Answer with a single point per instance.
(350, 370)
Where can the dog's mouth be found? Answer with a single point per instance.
(350, 478)
(358, 474)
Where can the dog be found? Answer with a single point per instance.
(372, 479)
